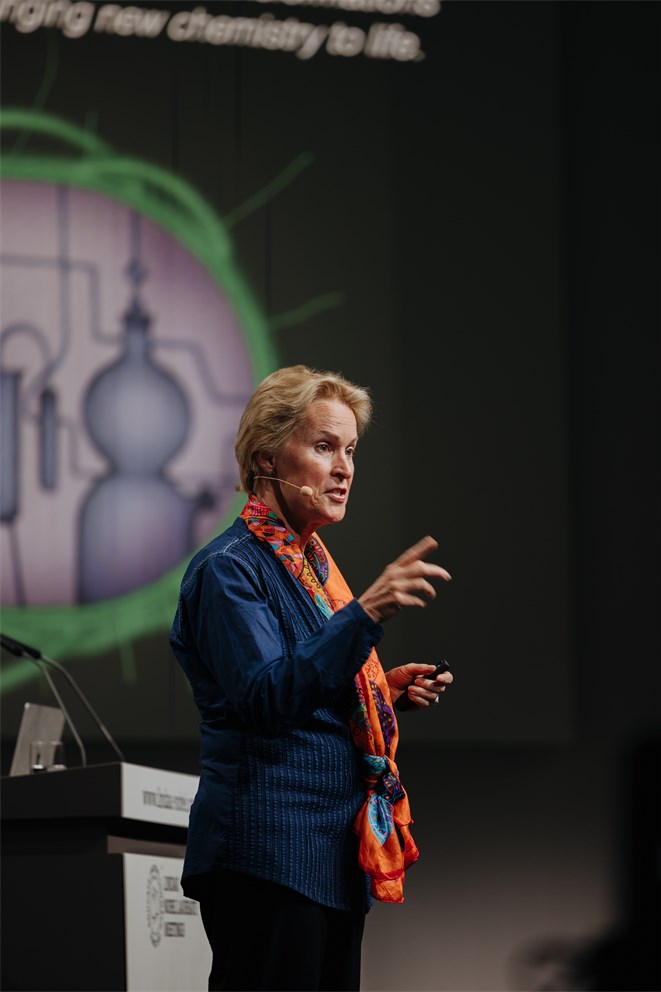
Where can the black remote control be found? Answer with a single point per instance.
(404, 702)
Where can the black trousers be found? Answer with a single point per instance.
(268, 938)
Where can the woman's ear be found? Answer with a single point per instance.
(266, 462)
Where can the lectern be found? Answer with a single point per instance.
(91, 900)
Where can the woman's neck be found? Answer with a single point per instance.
(267, 495)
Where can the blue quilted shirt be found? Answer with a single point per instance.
(271, 677)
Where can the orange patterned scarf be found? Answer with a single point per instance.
(386, 847)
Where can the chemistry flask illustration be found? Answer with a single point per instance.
(124, 372)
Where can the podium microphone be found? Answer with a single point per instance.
(41, 660)
(303, 490)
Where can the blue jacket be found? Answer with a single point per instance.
(272, 679)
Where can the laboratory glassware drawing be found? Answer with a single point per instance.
(123, 375)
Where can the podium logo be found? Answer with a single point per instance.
(155, 906)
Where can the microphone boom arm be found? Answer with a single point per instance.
(86, 703)
(60, 702)
(41, 660)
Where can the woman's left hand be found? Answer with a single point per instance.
(414, 678)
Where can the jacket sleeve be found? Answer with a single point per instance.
(225, 620)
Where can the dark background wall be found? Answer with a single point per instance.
(490, 217)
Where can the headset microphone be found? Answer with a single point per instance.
(303, 490)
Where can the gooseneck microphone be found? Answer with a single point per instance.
(303, 490)
(41, 660)
(40, 664)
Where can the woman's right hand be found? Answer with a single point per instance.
(405, 582)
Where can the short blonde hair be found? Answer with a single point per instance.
(278, 406)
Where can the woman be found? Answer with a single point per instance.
(300, 819)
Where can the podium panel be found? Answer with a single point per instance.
(91, 900)
(166, 948)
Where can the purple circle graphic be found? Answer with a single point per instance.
(124, 374)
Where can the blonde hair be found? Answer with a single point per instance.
(278, 406)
